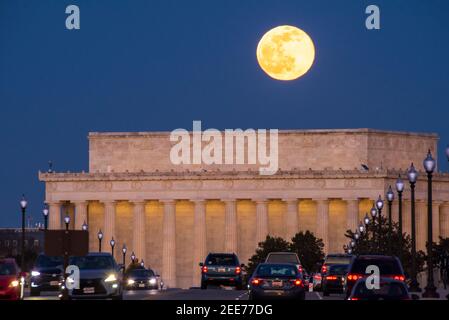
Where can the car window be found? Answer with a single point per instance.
(392, 289)
(283, 258)
(7, 269)
(276, 271)
(49, 262)
(385, 266)
(338, 269)
(337, 260)
(92, 262)
(221, 260)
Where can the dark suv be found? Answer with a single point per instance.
(46, 274)
(389, 267)
(221, 268)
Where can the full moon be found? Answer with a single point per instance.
(285, 53)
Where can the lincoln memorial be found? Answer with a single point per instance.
(171, 215)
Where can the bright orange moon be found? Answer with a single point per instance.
(285, 53)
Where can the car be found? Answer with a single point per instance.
(334, 278)
(46, 274)
(100, 277)
(316, 281)
(276, 280)
(389, 267)
(10, 280)
(287, 257)
(141, 278)
(389, 289)
(221, 269)
(335, 258)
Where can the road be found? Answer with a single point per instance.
(188, 294)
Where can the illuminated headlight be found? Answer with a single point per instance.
(35, 273)
(14, 283)
(111, 278)
(115, 286)
(130, 281)
(153, 281)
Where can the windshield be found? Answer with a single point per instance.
(283, 258)
(7, 269)
(141, 273)
(338, 260)
(338, 269)
(93, 262)
(49, 262)
(386, 267)
(386, 290)
(222, 260)
(276, 271)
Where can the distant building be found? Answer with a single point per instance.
(171, 215)
(11, 245)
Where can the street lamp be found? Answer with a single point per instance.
(124, 249)
(430, 290)
(412, 175)
(373, 212)
(112, 243)
(45, 212)
(142, 264)
(366, 219)
(84, 227)
(390, 198)
(67, 221)
(133, 257)
(361, 228)
(357, 234)
(23, 206)
(100, 237)
(379, 206)
(400, 189)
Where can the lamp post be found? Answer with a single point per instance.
(67, 221)
(100, 237)
(133, 257)
(142, 264)
(390, 198)
(84, 227)
(379, 206)
(45, 212)
(373, 212)
(400, 189)
(430, 290)
(23, 206)
(412, 175)
(124, 249)
(366, 220)
(66, 255)
(112, 243)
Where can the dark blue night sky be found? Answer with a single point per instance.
(158, 65)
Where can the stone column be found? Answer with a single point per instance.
(261, 220)
(323, 222)
(436, 220)
(169, 244)
(109, 225)
(444, 219)
(139, 237)
(80, 214)
(291, 226)
(421, 224)
(54, 217)
(230, 226)
(199, 238)
(352, 214)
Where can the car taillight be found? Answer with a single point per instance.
(204, 269)
(354, 298)
(399, 277)
(323, 269)
(238, 270)
(331, 278)
(297, 282)
(354, 277)
(300, 269)
(256, 282)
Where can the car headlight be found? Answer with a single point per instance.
(14, 283)
(111, 278)
(130, 281)
(35, 273)
(152, 281)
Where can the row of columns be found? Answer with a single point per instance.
(200, 248)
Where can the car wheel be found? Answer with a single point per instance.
(119, 297)
(302, 296)
(35, 293)
(203, 285)
(325, 293)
